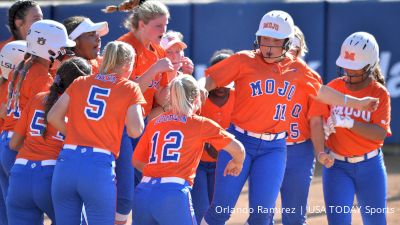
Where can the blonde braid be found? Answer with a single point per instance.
(23, 72)
(14, 78)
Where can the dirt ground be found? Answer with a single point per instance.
(316, 198)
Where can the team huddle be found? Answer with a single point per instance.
(88, 138)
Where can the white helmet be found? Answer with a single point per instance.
(277, 24)
(359, 50)
(11, 54)
(45, 36)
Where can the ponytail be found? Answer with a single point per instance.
(117, 54)
(185, 95)
(378, 76)
(123, 7)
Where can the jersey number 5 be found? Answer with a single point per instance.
(172, 144)
(97, 106)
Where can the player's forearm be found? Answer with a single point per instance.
(16, 142)
(57, 121)
(369, 131)
(145, 80)
(330, 96)
(317, 134)
(236, 149)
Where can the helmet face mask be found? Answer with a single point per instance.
(354, 78)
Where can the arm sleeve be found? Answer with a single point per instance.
(381, 116)
(225, 71)
(215, 134)
(136, 95)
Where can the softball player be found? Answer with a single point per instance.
(21, 15)
(45, 42)
(38, 146)
(173, 45)
(97, 112)
(358, 136)
(218, 107)
(305, 130)
(259, 82)
(87, 36)
(11, 54)
(146, 24)
(169, 152)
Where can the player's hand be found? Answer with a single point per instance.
(325, 159)
(187, 66)
(233, 168)
(329, 128)
(368, 104)
(163, 65)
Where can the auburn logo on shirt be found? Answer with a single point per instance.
(347, 111)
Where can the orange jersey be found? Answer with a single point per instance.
(95, 63)
(263, 91)
(172, 145)
(145, 58)
(31, 125)
(221, 115)
(347, 143)
(37, 80)
(299, 113)
(97, 110)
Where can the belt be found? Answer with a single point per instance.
(74, 147)
(50, 162)
(176, 180)
(295, 143)
(354, 159)
(264, 136)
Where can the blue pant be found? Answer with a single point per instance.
(7, 159)
(125, 176)
(138, 174)
(367, 180)
(29, 195)
(264, 165)
(80, 177)
(296, 183)
(3, 211)
(158, 203)
(203, 188)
